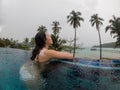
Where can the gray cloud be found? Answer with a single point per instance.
(22, 17)
(1, 12)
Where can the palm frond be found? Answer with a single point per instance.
(74, 19)
(107, 28)
(95, 20)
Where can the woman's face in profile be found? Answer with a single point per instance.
(48, 39)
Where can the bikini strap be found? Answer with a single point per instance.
(42, 52)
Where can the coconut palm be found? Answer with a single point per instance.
(56, 27)
(114, 28)
(25, 44)
(42, 28)
(26, 40)
(32, 42)
(97, 21)
(74, 19)
(57, 41)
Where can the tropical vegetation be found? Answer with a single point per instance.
(114, 29)
(107, 45)
(5, 42)
(42, 28)
(58, 43)
(74, 18)
(97, 22)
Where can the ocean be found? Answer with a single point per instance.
(113, 53)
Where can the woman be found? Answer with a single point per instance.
(31, 72)
(42, 53)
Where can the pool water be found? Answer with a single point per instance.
(59, 75)
(10, 63)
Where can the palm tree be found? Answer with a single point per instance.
(74, 19)
(97, 21)
(42, 28)
(114, 28)
(26, 40)
(25, 44)
(56, 27)
(32, 42)
(57, 41)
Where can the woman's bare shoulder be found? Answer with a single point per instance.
(58, 54)
(50, 52)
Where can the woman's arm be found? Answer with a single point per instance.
(59, 55)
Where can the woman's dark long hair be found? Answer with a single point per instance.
(40, 41)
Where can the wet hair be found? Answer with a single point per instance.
(40, 41)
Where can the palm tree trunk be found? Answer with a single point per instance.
(74, 43)
(100, 44)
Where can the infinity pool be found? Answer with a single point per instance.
(58, 74)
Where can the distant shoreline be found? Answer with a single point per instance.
(107, 45)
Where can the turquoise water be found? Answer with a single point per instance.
(56, 75)
(10, 63)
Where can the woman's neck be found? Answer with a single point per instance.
(47, 46)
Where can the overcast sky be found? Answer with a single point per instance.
(21, 18)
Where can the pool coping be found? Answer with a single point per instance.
(95, 63)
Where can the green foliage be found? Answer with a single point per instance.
(56, 28)
(57, 41)
(114, 28)
(32, 42)
(15, 44)
(7, 43)
(74, 19)
(107, 45)
(26, 44)
(42, 28)
(97, 21)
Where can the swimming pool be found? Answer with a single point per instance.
(58, 75)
